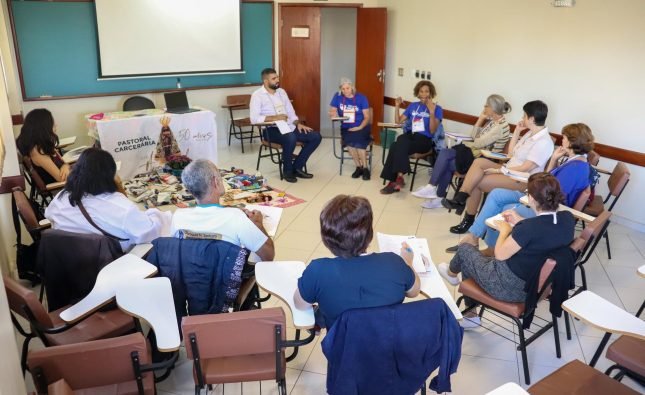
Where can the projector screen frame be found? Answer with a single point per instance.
(102, 77)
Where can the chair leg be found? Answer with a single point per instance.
(414, 174)
(567, 325)
(241, 139)
(23, 357)
(423, 388)
(640, 310)
(556, 336)
(257, 167)
(607, 240)
(230, 133)
(522, 347)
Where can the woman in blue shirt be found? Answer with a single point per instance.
(354, 131)
(353, 279)
(423, 132)
(569, 166)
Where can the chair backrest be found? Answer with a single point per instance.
(36, 179)
(21, 298)
(234, 334)
(239, 99)
(618, 179)
(592, 233)
(582, 200)
(593, 158)
(25, 210)
(135, 103)
(88, 365)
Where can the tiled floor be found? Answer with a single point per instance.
(488, 361)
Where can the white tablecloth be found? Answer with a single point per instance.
(133, 140)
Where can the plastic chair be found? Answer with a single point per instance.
(118, 365)
(136, 103)
(238, 124)
(344, 153)
(51, 329)
(274, 151)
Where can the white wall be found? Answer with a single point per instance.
(585, 62)
(337, 56)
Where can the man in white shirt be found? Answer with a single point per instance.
(270, 103)
(239, 227)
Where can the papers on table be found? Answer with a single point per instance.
(392, 243)
(283, 127)
(491, 221)
(458, 137)
(516, 175)
(73, 155)
(270, 217)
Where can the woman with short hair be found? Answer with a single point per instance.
(92, 186)
(521, 248)
(354, 131)
(422, 132)
(354, 278)
(38, 141)
(491, 132)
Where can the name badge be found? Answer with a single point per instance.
(418, 125)
(350, 113)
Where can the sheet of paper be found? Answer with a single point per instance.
(494, 154)
(392, 243)
(283, 127)
(73, 155)
(491, 221)
(64, 142)
(271, 217)
(516, 175)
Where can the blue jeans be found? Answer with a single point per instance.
(497, 201)
(442, 171)
(288, 141)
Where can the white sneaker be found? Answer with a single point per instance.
(470, 322)
(432, 203)
(426, 192)
(443, 271)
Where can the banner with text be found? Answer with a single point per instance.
(141, 143)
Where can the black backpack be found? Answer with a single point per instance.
(26, 255)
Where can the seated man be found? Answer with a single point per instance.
(240, 227)
(270, 103)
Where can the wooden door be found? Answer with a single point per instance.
(371, 29)
(300, 61)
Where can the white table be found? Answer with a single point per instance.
(280, 278)
(641, 271)
(508, 389)
(151, 300)
(577, 214)
(432, 286)
(128, 267)
(132, 136)
(602, 314)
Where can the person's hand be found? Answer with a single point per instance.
(558, 153)
(483, 115)
(431, 105)
(406, 253)
(302, 128)
(64, 172)
(398, 101)
(354, 129)
(492, 171)
(254, 215)
(503, 227)
(512, 217)
(333, 113)
(520, 126)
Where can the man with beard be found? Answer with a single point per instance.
(270, 103)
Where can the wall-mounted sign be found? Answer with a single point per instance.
(300, 32)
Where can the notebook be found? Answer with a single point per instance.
(177, 103)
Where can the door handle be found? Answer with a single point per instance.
(381, 75)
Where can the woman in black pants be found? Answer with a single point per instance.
(423, 131)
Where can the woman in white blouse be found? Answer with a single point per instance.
(92, 186)
(529, 153)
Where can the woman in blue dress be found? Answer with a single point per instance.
(355, 130)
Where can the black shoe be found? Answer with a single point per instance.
(358, 172)
(290, 177)
(453, 249)
(366, 174)
(457, 203)
(303, 174)
(464, 225)
(390, 188)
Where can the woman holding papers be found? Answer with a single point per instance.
(521, 249)
(38, 141)
(354, 130)
(353, 279)
(529, 154)
(491, 132)
(569, 166)
(423, 132)
(91, 203)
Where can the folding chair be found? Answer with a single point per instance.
(274, 150)
(239, 126)
(344, 153)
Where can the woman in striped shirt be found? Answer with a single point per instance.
(491, 132)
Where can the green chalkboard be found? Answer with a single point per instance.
(57, 43)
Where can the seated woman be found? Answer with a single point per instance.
(92, 187)
(491, 132)
(354, 131)
(569, 166)
(38, 141)
(529, 154)
(354, 278)
(423, 132)
(521, 249)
